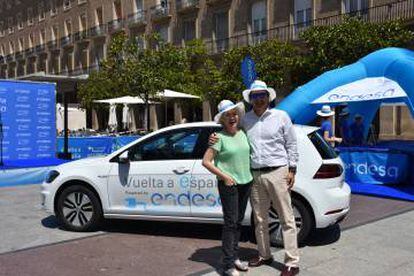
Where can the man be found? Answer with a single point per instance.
(273, 162)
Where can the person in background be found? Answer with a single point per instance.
(325, 113)
(357, 131)
(231, 155)
(344, 127)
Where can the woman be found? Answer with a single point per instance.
(229, 159)
(326, 126)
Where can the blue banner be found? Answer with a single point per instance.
(82, 147)
(27, 113)
(248, 71)
(366, 167)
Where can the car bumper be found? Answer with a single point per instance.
(336, 207)
(46, 198)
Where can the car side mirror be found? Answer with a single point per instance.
(123, 158)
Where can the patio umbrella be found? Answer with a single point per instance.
(59, 117)
(112, 122)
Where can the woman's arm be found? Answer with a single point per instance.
(209, 165)
(332, 139)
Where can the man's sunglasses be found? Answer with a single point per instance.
(255, 96)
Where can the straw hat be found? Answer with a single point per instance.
(325, 111)
(259, 85)
(226, 105)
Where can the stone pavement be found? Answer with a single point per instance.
(384, 247)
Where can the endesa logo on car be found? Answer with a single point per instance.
(192, 190)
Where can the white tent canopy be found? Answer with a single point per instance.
(170, 94)
(122, 100)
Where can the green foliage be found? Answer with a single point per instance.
(129, 70)
(330, 47)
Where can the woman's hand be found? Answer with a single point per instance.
(228, 181)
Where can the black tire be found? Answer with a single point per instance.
(304, 223)
(79, 209)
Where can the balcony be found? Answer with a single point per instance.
(160, 12)
(66, 41)
(98, 31)
(79, 36)
(53, 44)
(187, 5)
(40, 48)
(18, 55)
(29, 51)
(10, 58)
(115, 25)
(137, 18)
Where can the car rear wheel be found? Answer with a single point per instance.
(78, 209)
(304, 223)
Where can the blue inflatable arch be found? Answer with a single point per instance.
(384, 76)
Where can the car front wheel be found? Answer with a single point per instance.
(78, 209)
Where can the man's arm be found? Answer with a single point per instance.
(291, 149)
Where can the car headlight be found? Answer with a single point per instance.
(51, 176)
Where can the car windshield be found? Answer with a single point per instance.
(323, 147)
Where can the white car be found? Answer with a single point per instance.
(160, 177)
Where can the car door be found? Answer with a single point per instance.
(205, 197)
(155, 180)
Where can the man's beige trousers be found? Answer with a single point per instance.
(270, 187)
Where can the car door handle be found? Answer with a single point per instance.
(181, 170)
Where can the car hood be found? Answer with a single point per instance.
(87, 162)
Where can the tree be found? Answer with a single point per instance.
(330, 47)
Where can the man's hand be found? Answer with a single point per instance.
(290, 180)
(213, 138)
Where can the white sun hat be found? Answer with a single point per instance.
(325, 111)
(259, 85)
(226, 105)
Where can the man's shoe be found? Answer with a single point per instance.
(259, 261)
(231, 272)
(241, 266)
(289, 271)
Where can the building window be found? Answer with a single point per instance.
(189, 30)
(138, 6)
(67, 4)
(21, 44)
(9, 4)
(117, 10)
(163, 33)
(19, 21)
(11, 27)
(98, 16)
(352, 6)
(11, 47)
(53, 7)
(31, 40)
(221, 30)
(30, 16)
(259, 21)
(303, 15)
(1, 28)
(41, 9)
(82, 22)
(42, 36)
(68, 27)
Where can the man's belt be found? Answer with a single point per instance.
(266, 169)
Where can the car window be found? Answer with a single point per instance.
(323, 147)
(202, 143)
(173, 145)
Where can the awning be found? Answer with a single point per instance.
(122, 100)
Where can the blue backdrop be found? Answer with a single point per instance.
(27, 112)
